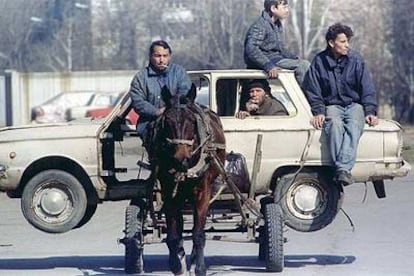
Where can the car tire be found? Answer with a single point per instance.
(54, 201)
(89, 212)
(309, 201)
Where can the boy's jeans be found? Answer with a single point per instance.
(300, 66)
(343, 127)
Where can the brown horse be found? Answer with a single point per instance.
(188, 140)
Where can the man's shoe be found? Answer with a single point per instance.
(344, 177)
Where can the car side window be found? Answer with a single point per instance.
(203, 90)
(279, 93)
(226, 95)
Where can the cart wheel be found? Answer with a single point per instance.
(272, 245)
(262, 237)
(134, 247)
(262, 245)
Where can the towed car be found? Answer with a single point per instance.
(62, 171)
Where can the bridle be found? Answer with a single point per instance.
(206, 147)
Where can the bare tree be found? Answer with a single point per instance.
(403, 60)
(16, 32)
(221, 31)
(308, 22)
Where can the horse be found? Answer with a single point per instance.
(189, 144)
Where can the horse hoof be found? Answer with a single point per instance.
(192, 270)
(197, 272)
(200, 272)
(183, 270)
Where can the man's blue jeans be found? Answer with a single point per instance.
(343, 127)
(300, 66)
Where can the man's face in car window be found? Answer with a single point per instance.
(257, 95)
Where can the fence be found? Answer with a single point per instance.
(3, 101)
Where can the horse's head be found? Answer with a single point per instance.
(179, 125)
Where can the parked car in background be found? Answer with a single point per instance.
(97, 100)
(71, 105)
(95, 113)
(132, 116)
(54, 109)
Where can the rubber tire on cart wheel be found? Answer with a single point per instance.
(54, 201)
(262, 237)
(134, 247)
(273, 233)
(309, 202)
(262, 245)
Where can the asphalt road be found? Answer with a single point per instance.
(381, 244)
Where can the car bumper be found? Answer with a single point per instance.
(390, 172)
(371, 171)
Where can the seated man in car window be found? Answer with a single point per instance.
(260, 101)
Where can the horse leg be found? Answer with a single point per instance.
(202, 198)
(175, 243)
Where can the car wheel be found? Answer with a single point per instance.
(54, 201)
(309, 201)
(273, 237)
(90, 211)
(134, 246)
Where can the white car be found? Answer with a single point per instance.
(54, 109)
(62, 171)
(67, 106)
(97, 100)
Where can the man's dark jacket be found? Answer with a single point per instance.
(339, 82)
(264, 44)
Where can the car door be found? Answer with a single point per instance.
(267, 142)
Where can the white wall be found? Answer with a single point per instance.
(31, 89)
(2, 101)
